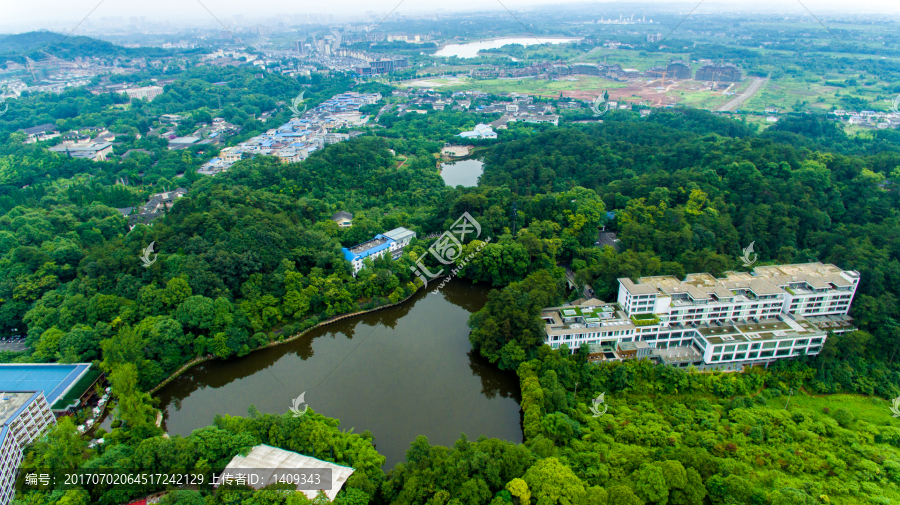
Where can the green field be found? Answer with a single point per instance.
(530, 86)
(869, 409)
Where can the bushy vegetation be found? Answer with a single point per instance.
(251, 255)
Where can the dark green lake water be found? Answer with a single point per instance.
(398, 372)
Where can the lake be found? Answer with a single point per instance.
(470, 50)
(462, 173)
(399, 372)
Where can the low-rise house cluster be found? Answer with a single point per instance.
(40, 133)
(96, 151)
(773, 313)
(295, 140)
(155, 207)
(522, 107)
(869, 118)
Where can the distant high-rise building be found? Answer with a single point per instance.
(678, 70)
(720, 73)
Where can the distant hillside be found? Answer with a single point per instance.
(37, 45)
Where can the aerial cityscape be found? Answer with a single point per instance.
(523, 253)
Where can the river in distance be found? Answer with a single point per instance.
(462, 173)
(399, 372)
(470, 49)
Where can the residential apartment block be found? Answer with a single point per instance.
(744, 318)
(390, 242)
(31, 395)
(722, 73)
(148, 92)
(23, 417)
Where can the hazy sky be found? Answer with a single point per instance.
(64, 15)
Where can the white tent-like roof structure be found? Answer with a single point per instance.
(266, 460)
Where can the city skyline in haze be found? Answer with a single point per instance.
(85, 15)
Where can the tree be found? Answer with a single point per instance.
(61, 448)
(551, 482)
(650, 484)
(518, 488)
(132, 405)
(623, 495)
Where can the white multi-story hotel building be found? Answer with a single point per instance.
(771, 313)
(23, 417)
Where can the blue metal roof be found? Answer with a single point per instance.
(53, 379)
(368, 252)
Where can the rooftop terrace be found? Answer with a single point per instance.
(11, 402)
(767, 329)
(365, 246)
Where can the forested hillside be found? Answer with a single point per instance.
(251, 255)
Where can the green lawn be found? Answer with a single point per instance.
(867, 408)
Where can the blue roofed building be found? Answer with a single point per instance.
(391, 242)
(30, 394)
(24, 415)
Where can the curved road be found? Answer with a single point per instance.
(754, 87)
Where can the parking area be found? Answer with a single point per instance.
(607, 239)
(15, 344)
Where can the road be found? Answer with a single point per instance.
(754, 87)
(607, 239)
